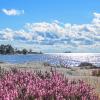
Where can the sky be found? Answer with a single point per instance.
(51, 26)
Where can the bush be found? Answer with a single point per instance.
(52, 86)
(96, 72)
(87, 65)
(1, 71)
(14, 70)
(46, 64)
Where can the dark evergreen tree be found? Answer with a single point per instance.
(24, 51)
(6, 49)
(9, 49)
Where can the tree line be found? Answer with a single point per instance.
(8, 49)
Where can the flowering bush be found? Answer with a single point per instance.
(22, 85)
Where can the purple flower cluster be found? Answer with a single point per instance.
(23, 85)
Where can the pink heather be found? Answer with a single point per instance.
(37, 86)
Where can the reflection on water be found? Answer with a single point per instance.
(54, 58)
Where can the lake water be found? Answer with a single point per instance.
(71, 59)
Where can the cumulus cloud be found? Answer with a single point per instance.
(97, 15)
(12, 12)
(24, 34)
(6, 34)
(58, 35)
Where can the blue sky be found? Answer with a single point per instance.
(51, 25)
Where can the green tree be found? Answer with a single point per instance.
(9, 49)
(6, 49)
(24, 51)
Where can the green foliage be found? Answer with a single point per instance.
(24, 51)
(6, 49)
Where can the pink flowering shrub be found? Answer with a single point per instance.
(21, 85)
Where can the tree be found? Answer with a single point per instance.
(2, 49)
(67, 52)
(9, 49)
(30, 51)
(6, 49)
(24, 51)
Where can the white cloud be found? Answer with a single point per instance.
(58, 35)
(24, 34)
(7, 34)
(97, 15)
(12, 12)
(40, 38)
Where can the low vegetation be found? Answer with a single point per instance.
(22, 85)
(87, 65)
(96, 72)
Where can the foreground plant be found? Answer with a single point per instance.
(21, 85)
(96, 72)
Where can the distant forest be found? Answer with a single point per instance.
(8, 49)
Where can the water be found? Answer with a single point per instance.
(72, 59)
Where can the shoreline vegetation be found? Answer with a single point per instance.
(89, 75)
(9, 50)
(47, 79)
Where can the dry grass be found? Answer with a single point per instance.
(94, 81)
(96, 72)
